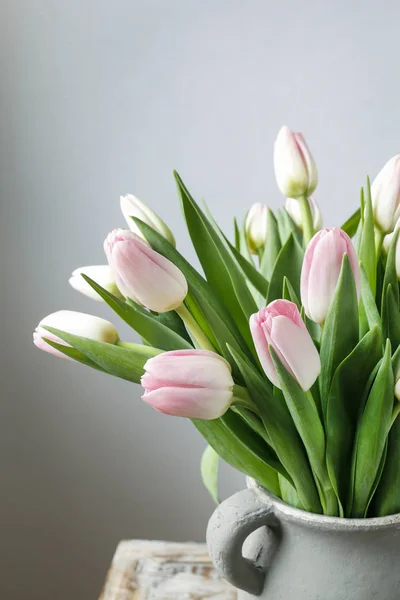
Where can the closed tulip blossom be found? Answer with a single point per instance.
(280, 326)
(76, 323)
(188, 383)
(101, 274)
(321, 270)
(385, 192)
(142, 274)
(133, 207)
(295, 170)
(256, 227)
(294, 209)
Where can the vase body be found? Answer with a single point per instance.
(272, 551)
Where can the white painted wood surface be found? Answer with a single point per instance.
(143, 570)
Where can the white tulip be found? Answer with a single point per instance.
(101, 274)
(385, 192)
(295, 170)
(133, 207)
(256, 227)
(76, 323)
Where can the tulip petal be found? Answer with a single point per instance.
(324, 274)
(261, 346)
(193, 403)
(156, 282)
(295, 345)
(188, 370)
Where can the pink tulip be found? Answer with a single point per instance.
(385, 192)
(142, 274)
(76, 323)
(280, 326)
(295, 170)
(321, 269)
(188, 383)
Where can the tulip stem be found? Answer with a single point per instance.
(307, 219)
(194, 329)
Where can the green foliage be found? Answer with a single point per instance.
(372, 435)
(340, 332)
(334, 449)
(209, 472)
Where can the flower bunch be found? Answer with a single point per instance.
(284, 352)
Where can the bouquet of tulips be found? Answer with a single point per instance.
(284, 352)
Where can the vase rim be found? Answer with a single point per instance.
(312, 519)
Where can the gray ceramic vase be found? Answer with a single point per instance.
(275, 552)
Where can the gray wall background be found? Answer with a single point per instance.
(103, 97)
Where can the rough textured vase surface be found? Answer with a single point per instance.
(272, 551)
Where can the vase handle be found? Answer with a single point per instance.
(231, 523)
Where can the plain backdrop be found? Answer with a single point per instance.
(100, 98)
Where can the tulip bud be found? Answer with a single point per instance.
(385, 192)
(101, 274)
(188, 383)
(142, 274)
(76, 323)
(280, 325)
(295, 169)
(321, 270)
(256, 227)
(294, 209)
(387, 243)
(133, 207)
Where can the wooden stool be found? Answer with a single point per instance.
(143, 570)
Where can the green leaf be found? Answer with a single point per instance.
(219, 266)
(73, 353)
(351, 225)
(272, 247)
(377, 479)
(126, 363)
(282, 432)
(146, 325)
(288, 264)
(240, 447)
(250, 272)
(216, 317)
(308, 424)
(289, 494)
(392, 317)
(243, 258)
(287, 226)
(343, 407)
(366, 251)
(288, 293)
(396, 362)
(372, 434)
(173, 321)
(236, 232)
(387, 497)
(340, 331)
(368, 300)
(209, 472)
